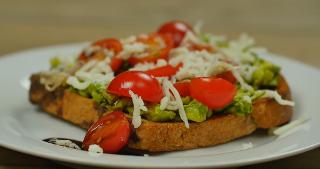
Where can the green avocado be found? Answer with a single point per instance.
(197, 111)
(266, 74)
(242, 103)
(154, 113)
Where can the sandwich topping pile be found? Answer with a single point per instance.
(177, 74)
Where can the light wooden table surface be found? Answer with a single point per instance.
(287, 27)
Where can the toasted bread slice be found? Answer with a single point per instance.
(167, 136)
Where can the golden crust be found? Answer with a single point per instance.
(159, 137)
(267, 113)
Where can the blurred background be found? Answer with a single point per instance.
(288, 27)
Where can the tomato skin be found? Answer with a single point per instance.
(177, 29)
(98, 55)
(111, 132)
(228, 76)
(195, 47)
(140, 83)
(183, 88)
(163, 71)
(214, 92)
(153, 56)
(110, 43)
(116, 63)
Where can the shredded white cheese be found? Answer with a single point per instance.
(52, 79)
(202, 64)
(64, 143)
(191, 37)
(149, 65)
(138, 105)
(133, 48)
(92, 72)
(195, 63)
(197, 27)
(242, 82)
(284, 129)
(239, 50)
(246, 146)
(94, 148)
(275, 95)
(178, 102)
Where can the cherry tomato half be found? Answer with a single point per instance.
(228, 76)
(115, 63)
(111, 132)
(163, 71)
(214, 92)
(140, 83)
(195, 47)
(111, 44)
(157, 49)
(183, 88)
(177, 29)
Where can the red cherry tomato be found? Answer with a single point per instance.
(115, 63)
(228, 76)
(111, 132)
(156, 50)
(140, 83)
(195, 47)
(177, 29)
(111, 44)
(98, 55)
(183, 88)
(214, 92)
(163, 71)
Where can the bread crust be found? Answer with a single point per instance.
(167, 136)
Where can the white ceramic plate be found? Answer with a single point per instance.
(23, 126)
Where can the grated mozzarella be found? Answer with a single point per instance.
(197, 27)
(191, 37)
(138, 105)
(136, 48)
(178, 101)
(247, 145)
(202, 64)
(242, 82)
(94, 148)
(284, 129)
(52, 79)
(64, 143)
(92, 72)
(149, 65)
(275, 95)
(75, 82)
(195, 63)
